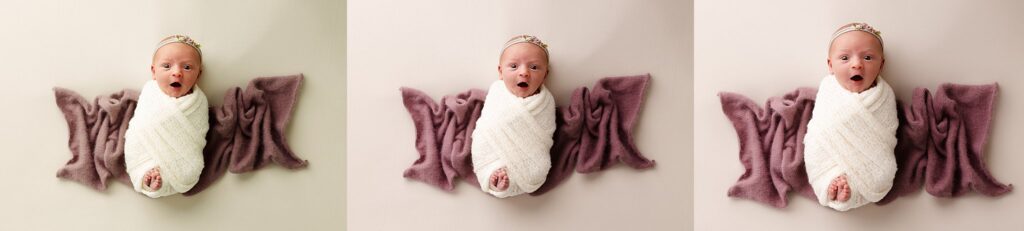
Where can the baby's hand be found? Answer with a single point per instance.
(152, 179)
(499, 180)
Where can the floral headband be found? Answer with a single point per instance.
(857, 26)
(526, 39)
(180, 39)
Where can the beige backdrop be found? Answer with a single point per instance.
(98, 47)
(764, 49)
(446, 47)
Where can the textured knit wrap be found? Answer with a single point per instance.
(169, 133)
(515, 133)
(853, 134)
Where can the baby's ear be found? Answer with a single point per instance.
(152, 71)
(828, 61)
(499, 73)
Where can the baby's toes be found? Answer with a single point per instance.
(496, 180)
(503, 184)
(849, 192)
(842, 193)
(832, 188)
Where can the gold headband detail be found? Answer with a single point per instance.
(857, 27)
(525, 39)
(180, 39)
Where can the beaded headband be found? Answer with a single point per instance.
(526, 39)
(858, 26)
(180, 39)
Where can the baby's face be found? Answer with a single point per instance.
(176, 68)
(523, 67)
(856, 59)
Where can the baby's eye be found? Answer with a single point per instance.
(165, 66)
(867, 57)
(844, 58)
(513, 66)
(534, 67)
(188, 67)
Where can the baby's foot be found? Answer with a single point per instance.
(839, 189)
(844, 191)
(499, 180)
(152, 179)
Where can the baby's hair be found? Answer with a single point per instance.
(856, 26)
(180, 39)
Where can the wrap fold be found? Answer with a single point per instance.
(516, 134)
(593, 133)
(246, 132)
(852, 134)
(167, 133)
(940, 144)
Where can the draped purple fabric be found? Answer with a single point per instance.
(940, 145)
(246, 132)
(593, 133)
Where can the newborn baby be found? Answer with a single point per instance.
(852, 132)
(514, 134)
(166, 135)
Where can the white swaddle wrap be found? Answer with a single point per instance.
(515, 133)
(170, 133)
(853, 134)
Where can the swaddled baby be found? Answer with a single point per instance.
(514, 134)
(165, 138)
(852, 132)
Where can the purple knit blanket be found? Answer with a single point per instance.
(595, 131)
(246, 132)
(941, 142)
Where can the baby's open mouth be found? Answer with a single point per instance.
(175, 84)
(523, 84)
(856, 78)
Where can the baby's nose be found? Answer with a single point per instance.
(857, 64)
